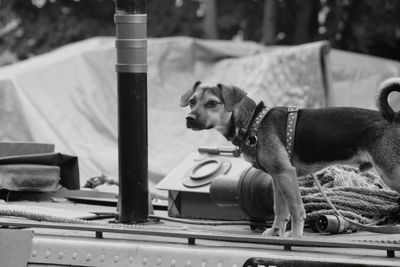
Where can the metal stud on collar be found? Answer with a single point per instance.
(259, 119)
(290, 129)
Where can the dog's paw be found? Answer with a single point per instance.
(293, 234)
(273, 231)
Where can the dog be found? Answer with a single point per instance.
(322, 137)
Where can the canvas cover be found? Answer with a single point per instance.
(68, 97)
(355, 79)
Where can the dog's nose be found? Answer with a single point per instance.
(190, 120)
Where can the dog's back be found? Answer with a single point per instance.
(335, 133)
(328, 135)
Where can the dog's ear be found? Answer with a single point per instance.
(186, 96)
(231, 95)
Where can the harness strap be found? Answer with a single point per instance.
(247, 139)
(252, 139)
(291, 129)
(244, 129)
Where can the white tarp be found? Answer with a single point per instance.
(68, 97)
(355, 79)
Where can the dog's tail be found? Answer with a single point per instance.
(385, 88)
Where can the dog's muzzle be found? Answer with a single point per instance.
(190, 121)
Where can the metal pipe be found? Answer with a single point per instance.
(131, 47)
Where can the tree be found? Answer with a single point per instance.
(210, 19)
(29, 28)
(269, 25)
(43, 26)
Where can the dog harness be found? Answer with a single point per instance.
(247, 139)
(290, 129)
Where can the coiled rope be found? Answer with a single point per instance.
(358, 196)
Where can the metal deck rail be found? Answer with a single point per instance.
(286, 243)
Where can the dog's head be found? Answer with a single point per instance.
(211, 106)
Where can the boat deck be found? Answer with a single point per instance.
(162, 242)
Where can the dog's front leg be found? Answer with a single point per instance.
(286, 179)
(276, 162)
(281, 213)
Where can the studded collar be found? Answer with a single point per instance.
(246, 139)
(245, 125)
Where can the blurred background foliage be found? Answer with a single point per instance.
(32, 27)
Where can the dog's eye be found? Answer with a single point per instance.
(211, 104)
(192, 102)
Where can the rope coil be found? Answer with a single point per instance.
(357, 196)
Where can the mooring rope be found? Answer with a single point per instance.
(358, 196)
(36, 216)
(42, 217)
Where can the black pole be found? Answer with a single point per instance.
(131, 45)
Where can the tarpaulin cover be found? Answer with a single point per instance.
(355, 79)
(68, 97)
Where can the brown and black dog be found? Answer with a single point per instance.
(323, 137)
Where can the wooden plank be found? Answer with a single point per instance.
(24, 148)
(29, 177)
